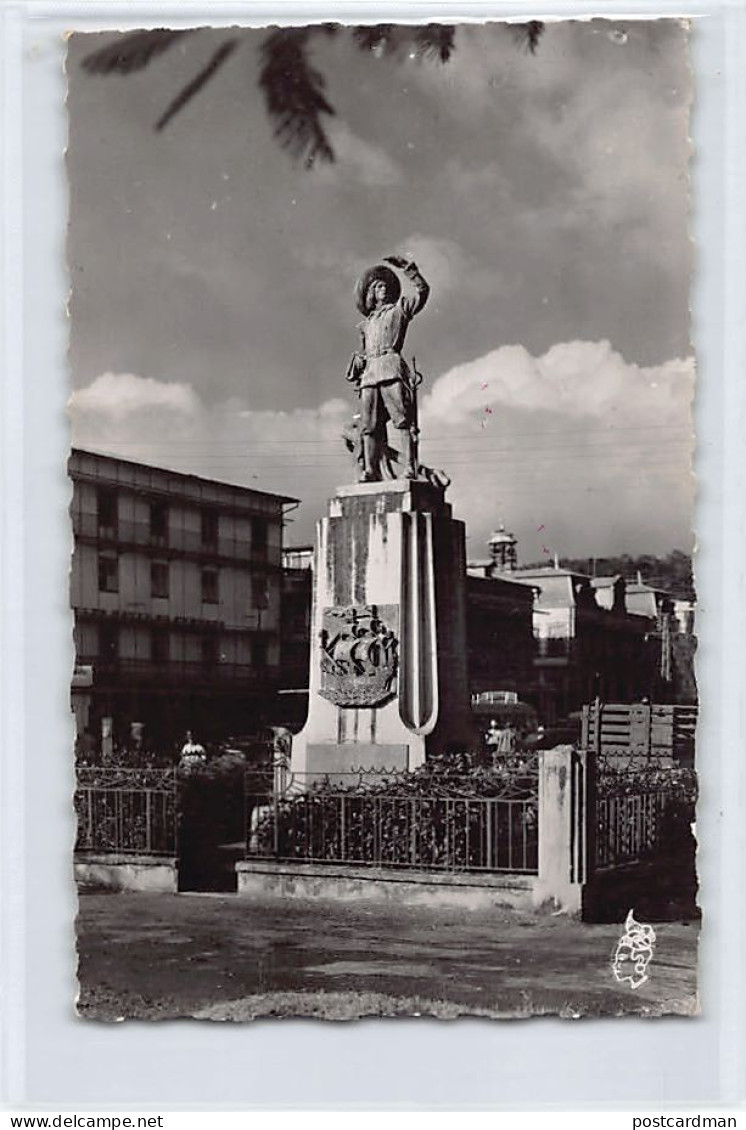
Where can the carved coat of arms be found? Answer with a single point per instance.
(358, 654)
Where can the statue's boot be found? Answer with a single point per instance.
(371, 472)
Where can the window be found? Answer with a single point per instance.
(159, 522)
(210, 586)
(210, 651)
(108, 572)
(160, 645)
(106, 508)
(259, 651)
(259, 591)
(108, 642)
(259, 537)
(210, 528)
(159, 577)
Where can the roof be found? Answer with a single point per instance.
(605, 582)
(548, 571)
(641, 587)
(500, 584)
(199, 479)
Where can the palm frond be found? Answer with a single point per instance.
(432, 41)
(294, 94)
(188, 92)
(528, 35)
(378, 38)
(132, 52)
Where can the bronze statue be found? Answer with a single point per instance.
(386, 384)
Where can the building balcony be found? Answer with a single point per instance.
(560, 648)
(256, 621)
(122, 673)
(138, 537)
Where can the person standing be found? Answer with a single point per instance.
(192, 753)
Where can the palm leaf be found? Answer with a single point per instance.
(294, 94)
(188, 92)
(433, 41)
(528, 35)
(132, 52)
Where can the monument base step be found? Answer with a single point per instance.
(385, 885)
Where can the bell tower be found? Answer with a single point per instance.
(503, 551)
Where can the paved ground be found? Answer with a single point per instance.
(150, 956)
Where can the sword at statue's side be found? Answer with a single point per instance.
(415, 380)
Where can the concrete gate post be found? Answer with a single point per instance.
(566, 827)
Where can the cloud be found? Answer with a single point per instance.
(297, 453)
(358, 160)
(119, 395)
(442, 261)
(577, 379)
(593, 448)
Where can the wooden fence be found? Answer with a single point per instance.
(613, 729)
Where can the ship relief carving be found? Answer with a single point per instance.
(359, 654)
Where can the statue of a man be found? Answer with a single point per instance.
(382, 376)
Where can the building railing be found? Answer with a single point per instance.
(554, 648)
(173, 672)
(175, 540)
(394, 820)
(126, 811)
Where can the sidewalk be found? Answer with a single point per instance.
(151, 956)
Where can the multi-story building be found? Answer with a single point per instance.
(587, 644)
(175, 587)
(499, 634)
(671, 620)
(586, 641)
(297, 578)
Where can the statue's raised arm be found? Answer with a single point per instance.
(420, 286)
(385, 383)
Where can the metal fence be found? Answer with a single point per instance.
(629, 828)
(400, 821)
(126, 811)
(644, 808)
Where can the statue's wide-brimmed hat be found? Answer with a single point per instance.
(378, 273)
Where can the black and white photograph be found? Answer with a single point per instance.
(382, 521)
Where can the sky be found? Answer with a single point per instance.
(545, 198)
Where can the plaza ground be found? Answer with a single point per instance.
(221, 957)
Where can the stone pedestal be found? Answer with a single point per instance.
(388, 681)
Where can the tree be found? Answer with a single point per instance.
(293, 89)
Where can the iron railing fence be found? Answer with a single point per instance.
(127, 811)
(644, 808)
(486, 823)
(629, 829)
